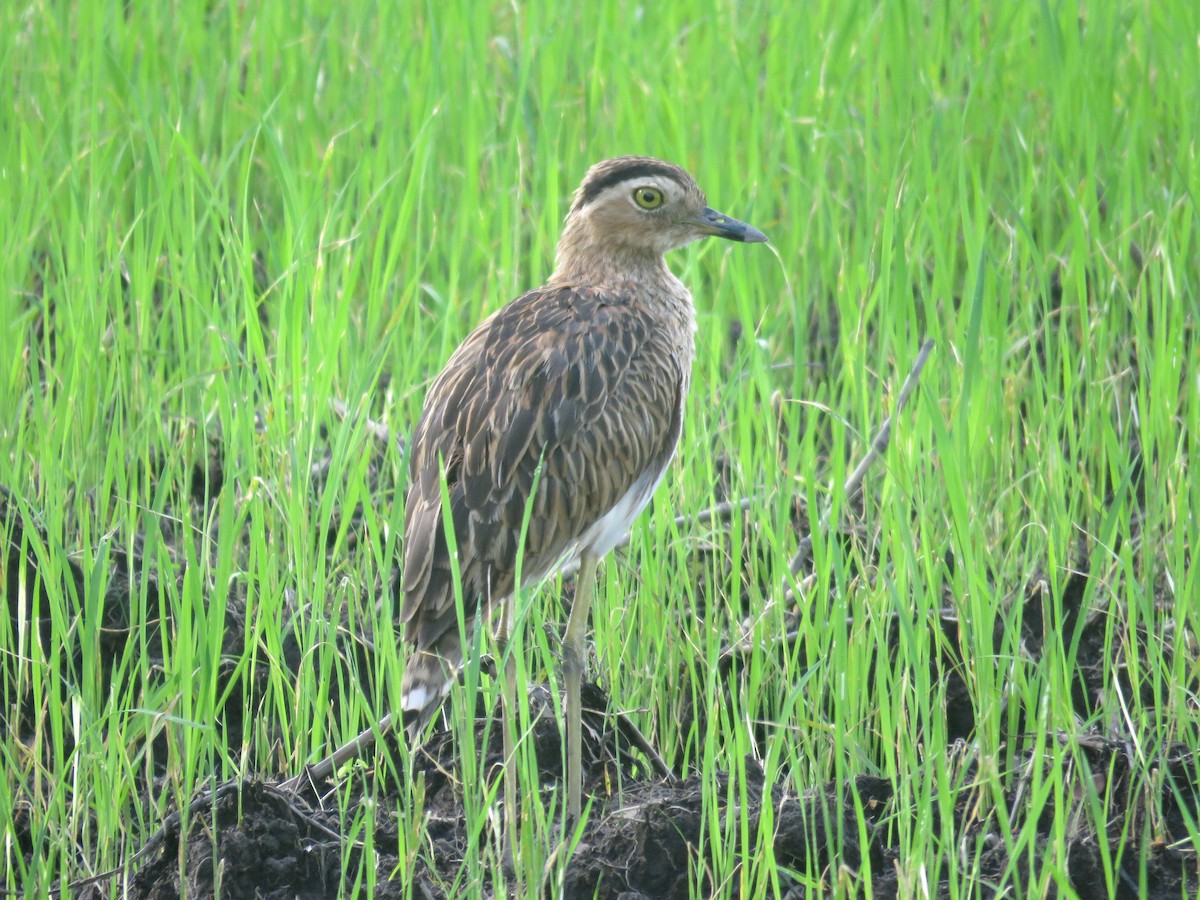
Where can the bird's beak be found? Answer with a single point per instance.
(720, 225)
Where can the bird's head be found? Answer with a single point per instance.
(638, 204)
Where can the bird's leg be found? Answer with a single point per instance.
(573, 657)
(508, 725)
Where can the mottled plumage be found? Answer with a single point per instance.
(585, 376)
(566, 376)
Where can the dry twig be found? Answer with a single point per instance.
(851, 489)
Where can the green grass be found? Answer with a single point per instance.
(218, 219)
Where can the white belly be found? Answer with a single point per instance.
(611, 528)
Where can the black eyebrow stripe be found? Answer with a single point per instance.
(593, 189)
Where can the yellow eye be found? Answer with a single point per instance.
(648, 197)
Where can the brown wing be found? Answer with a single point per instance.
(580, 382)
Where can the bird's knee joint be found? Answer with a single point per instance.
(572, 659)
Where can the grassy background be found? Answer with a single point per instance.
(218, 218)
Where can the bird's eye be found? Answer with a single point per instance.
(648, 197)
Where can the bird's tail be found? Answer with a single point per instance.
(428, 677)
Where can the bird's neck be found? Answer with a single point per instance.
(584, 258)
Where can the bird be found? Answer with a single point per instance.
(556, 416)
